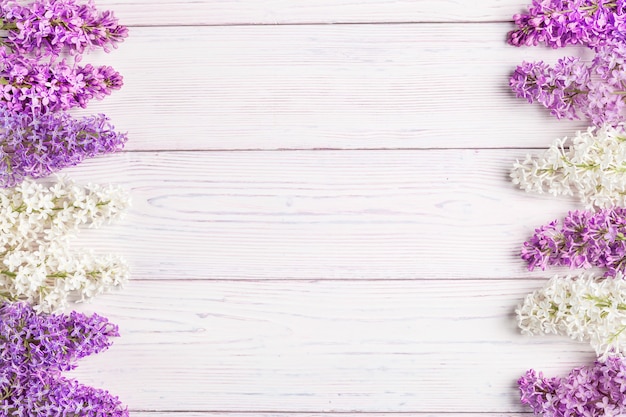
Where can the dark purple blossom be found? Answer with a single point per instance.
(49, 342)
(558, 23)
(28, 84)
(35, 348)
(584, 240)
(49, 27)
(596, 390)
(48, 395)
(36, 146)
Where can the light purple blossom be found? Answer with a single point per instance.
(28, 84)
(584, 240)
(36, 348)
(49, 27)
(573, 89)
(559, 23)
(36, 146)
(596, 390)
(562, 88)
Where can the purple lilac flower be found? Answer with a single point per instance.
(49, 27)
(48, 395)
(33, 342)
(562, 89)
(558, 23)
(27, 83)
(573, 89)
(586, 239)
(596, 390)
(36, 146)
(35, 348)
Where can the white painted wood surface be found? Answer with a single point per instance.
(250, 12)
(395, 214)
(325, 86)
(303, 346)
(322, 221)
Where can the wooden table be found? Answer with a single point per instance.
(322, 219)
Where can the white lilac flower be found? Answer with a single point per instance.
(591, 167)
(586, 308)
(37, 262)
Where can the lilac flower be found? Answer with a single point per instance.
(589, 165)
(563, 88)
(558, 23)
(98, 82)
(596, 390)
(36, 348)
(51, 342)
(586, 308)
(28, 84)
(52, 26)
(36, 146)
(545, 247)
(573, 89)
(586, 239)
(48, 395)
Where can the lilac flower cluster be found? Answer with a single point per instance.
(558, 23)
(584, 240)
(586, 308)
(570, 88)
(36, 348)
(573, 89)
(38, 146)
(54, 26)
(37, 87)
(27, 84)
(596, 390)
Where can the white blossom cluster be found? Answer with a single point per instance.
(37, 224)
(592, 167)
(586, 308)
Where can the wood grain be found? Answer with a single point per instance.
(323, 346)
(322, 221)
(330, 87)
(272, 12)
(261, 414)
(322, 214)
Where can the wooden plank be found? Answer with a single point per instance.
(324, 346)
(261, 414)
(435, 214)
(233, 12)
(333, 87)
